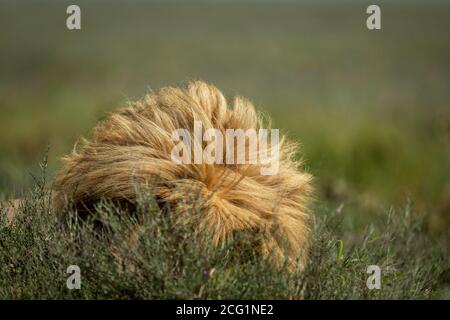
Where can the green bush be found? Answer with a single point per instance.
(151, 256)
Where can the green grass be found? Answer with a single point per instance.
(370, 110)
(171, 261)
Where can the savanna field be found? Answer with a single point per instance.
(371, 110)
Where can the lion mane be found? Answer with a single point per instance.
(130, 150)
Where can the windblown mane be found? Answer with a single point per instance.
(131, 150)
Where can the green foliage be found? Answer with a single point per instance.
(156, 255)
(370, 109)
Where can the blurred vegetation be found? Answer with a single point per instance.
(371, 108)
(156, 254)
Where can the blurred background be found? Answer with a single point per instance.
(371, 108)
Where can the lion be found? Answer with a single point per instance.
(10, 208)
(131, 150)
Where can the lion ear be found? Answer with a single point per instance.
(244, 115)
(210, 99)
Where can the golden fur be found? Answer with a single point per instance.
(130, 150)
(10, 207)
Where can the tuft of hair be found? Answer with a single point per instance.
(130, 152)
